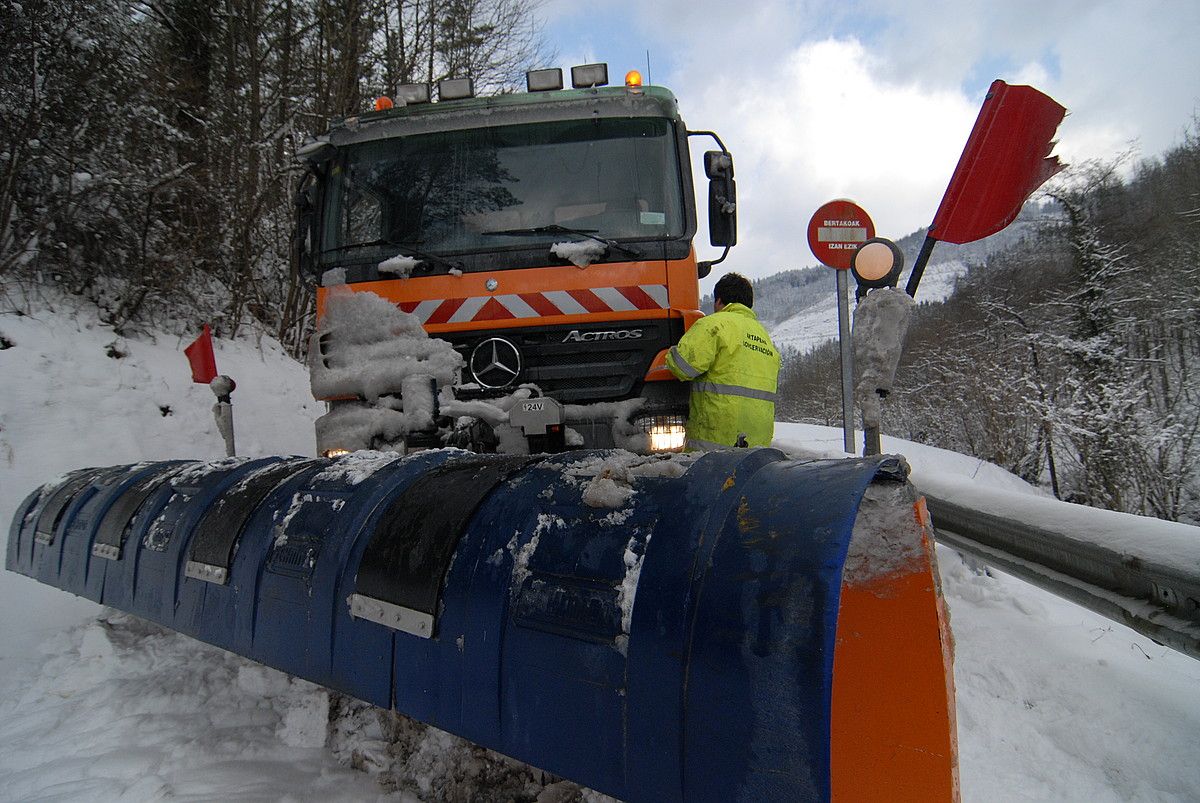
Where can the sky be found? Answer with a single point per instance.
(874, 100)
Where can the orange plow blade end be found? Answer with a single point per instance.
(893, 727)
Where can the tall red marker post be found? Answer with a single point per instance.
(835, 232)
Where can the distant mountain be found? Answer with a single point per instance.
(816, 322)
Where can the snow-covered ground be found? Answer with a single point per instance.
(818, 322)
(1054, 702)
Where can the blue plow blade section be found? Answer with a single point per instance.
(481, 595)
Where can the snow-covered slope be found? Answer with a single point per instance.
(817, 323)
(1054, 703)
(74, 394)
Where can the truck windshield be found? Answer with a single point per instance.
(479, 189)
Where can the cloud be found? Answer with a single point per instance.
(823, 125)
(945, 42)
(873, 99)
(1129, 74)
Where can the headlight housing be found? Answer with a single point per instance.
(667, 432)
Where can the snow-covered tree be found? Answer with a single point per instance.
(147, 148)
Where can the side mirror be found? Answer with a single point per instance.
(315, 152)
(722, 199)
(718, 164)
(722, 213)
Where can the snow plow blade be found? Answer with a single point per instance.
(734, 626)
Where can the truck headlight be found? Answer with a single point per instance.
(667, 432)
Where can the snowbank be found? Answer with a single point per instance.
(75, 394)
(991, 489)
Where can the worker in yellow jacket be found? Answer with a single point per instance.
(734, 370)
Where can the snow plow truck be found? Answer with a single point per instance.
(504, 275)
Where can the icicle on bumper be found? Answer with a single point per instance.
(369, 349)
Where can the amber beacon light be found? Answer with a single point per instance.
(633, 78)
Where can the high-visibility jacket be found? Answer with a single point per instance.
(734, 370)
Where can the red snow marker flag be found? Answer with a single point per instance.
(200, 356)
(1007, 157)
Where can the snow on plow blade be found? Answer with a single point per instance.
(788, 640)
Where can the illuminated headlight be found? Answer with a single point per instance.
(335, 452)
(667, 432)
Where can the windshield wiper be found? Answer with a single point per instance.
(554, 228)
(364, 244)
(405, 249)
(408, 251)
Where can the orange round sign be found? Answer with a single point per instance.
(836, 230)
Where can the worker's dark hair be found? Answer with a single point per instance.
(734, 288)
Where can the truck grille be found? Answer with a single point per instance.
(579, 364)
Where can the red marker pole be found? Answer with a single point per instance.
(204, 371)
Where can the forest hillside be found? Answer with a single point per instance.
(1069, 357)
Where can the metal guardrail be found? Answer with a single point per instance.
(1160, 601)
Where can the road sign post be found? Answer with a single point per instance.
(835, 231)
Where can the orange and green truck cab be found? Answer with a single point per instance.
(489, 198)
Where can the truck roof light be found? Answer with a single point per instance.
(633, 78)
(383, 103)
(413, 93)
(456, 88)
(544, 80)
(589, 75)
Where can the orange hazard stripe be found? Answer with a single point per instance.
(446, 309)
(538, 305)
(638, 297)
(550, 295)
(588, 300)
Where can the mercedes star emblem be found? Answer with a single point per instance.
(495, 363)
